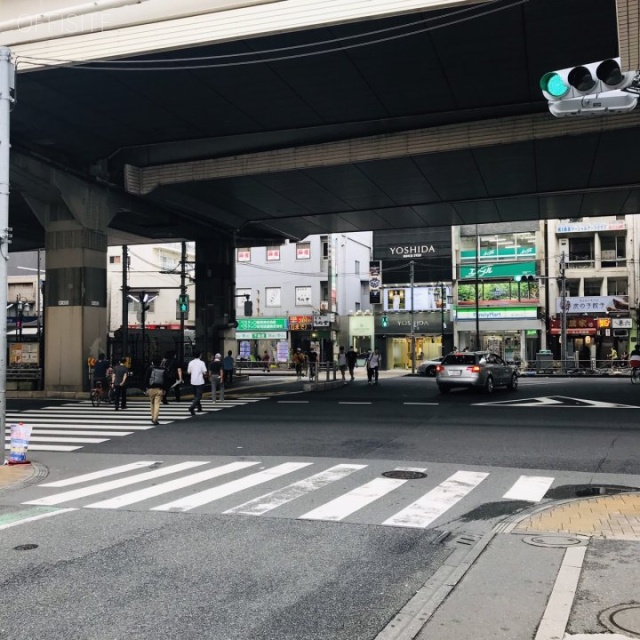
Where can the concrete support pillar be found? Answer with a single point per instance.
(75, 317)
(215, 291)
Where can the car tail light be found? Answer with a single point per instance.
(439, 368)
(474, 369)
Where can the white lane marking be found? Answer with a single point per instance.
(46, 447)
(114, 422)
(433, 504)
(426, 404)
(293, 401)
(355, 403)
(556, 616)
(274, 499)
(167, 487)
(97, 427)
(105, 473)
(79, 432)
(354, 500)
(529, 488)
(74, 494)
(215, 493)
(40, 516)
(36, 438)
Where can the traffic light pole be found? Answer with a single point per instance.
(563, 302)
(6, 101)
(124, 344)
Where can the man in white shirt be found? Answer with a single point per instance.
(373, 364)
(197, 370)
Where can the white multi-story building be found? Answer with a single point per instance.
(299, 292)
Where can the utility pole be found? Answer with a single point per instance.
(563, 302)
(413, 328)
(442, 304)
(124, 337)
(183, 292)
(477, 292)
(7, 78)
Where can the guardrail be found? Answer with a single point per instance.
(576, 367)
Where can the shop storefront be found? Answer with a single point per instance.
(514, 333)
(393, 337)
(361, 333)
(254, 336)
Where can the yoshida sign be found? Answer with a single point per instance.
(411, 250)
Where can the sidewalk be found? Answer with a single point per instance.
(565, 571)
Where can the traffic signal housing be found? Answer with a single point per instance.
(591, 89)
(522, 278)
(248, 308)
(183, 303)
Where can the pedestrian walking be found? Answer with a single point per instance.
(367, 357)
(266, 361)
(217, 380)
(352, 361)
(313, 364)
(342, 363)
(228, 365)
(118, 382)
(153, 383)
(173, 373)
(198, 371)
(298, 363)
(373, 366)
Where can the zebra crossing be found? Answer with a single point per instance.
(71, 426)
(293, 489)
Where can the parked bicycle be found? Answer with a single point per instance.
(99, 394)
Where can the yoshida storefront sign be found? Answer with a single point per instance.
(411, 250)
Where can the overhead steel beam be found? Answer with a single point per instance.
(472, 135)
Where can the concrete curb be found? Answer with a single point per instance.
(321, 386)
(21, 475)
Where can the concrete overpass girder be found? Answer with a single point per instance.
(482, 134)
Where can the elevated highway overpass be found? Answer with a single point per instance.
(253, 122)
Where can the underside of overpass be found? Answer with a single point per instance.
(425, 119)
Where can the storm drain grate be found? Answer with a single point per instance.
(25, 547)
(404, 475)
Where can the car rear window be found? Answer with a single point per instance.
(460, 358)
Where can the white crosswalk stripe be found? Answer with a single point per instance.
(70, 426)
(320, 491)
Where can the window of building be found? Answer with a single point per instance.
(357, 267)
(324, 291)
(501, 246)
(272, 297)
(273, 254)
(134, 306)
(167, 263)
(303, 251)
(581, 252)
(593, 286)
(324, 244)
(303, 296)
(240, 299)
(573, 287)
(358, 306)
(613, 251)
(243, 255)
(115, 259)
(617, 287)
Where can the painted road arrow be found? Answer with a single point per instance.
(557, 401)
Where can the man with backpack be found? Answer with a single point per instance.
(153, 383)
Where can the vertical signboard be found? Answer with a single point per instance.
(375, 282)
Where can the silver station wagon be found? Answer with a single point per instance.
(480, 369)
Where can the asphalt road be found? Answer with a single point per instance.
(270, 551)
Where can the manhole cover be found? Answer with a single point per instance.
(404, 475)
(554, 541)
(624, 618)
(25, 547)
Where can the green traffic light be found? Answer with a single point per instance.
(517, 278)
(553, 84)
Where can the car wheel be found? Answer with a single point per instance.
(488, 385)
(513, 385)
(443, 389)
(431, 371)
